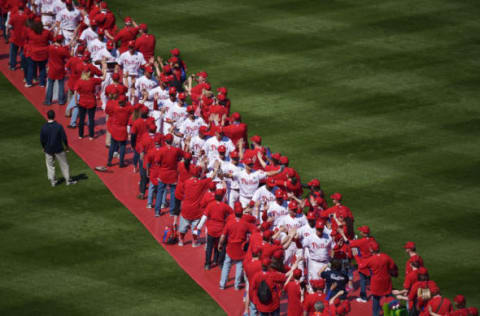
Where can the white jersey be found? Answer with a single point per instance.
(88, 35)
(69, 20)
(131, 63)
(249, 181)
(160, 93)
(189, 127)
(45, 6)
(264, 196)
(319, 248)
(103, 53)
(175, 113)
(196, 146)
(211, 148)
(144, 83)
(290, 222)
(229, 168)
(95, 46)
(305, 231)
(276, 211)
(158, 118)
(58, 6)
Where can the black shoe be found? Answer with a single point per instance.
(123, 165)
(71, 126)
(46, 103)
(109, 164)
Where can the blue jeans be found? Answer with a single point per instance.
(82, 112)
(161, 194)
(13, 56)
(61, 91)
(143, 178)
(136, 157)
(151, 189)
(274, 313)
(227, 265)
(376, 305)
(117, 146)
(363, 285)
(73, 106)
(252, 309)
(33, 67)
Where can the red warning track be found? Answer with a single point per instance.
(123, 184)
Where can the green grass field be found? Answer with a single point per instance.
(379, 100)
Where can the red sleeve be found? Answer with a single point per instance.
(97, 81)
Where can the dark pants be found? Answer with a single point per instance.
(61, 91)
(136, 157)
(161, 189)
(119, 146)
(274, 313)
(143, 178)
(33, 67)
(212, 244)
(14, 50)
(82, 112)
(3, 19)
(363, 285)
(376, 305)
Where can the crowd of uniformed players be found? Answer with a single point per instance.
(249, 202)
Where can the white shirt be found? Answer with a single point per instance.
(158, 117)
(276, 211)
(290, 222)
(319, 248)
(94, 46)
(103, 53)
(144, 83)
(305, 231)
(45, 6)
(69, 19)
(175, 113)
(211, 148)
(196, 146)
(264, 196)
(131, 63)
(229, 168)
(160, 93)
(189, 127)
(249, 181)
(58, 6)
(88, 35)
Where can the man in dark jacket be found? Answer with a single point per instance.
(53, 139)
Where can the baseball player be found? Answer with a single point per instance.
(68, 20)
(131, 61)
(319, 247)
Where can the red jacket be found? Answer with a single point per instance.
(125, 35)
(236, 132)
(382, 267)
(294, 295)
(311, 299)
(86, 90)
(236, 232)
(146, 45)
(167, 160)
(150, 165)
(75, 66)
(57, 59)
(275, 282)
(118, 118)
(17, 34)
(439, 305)
(363, 247)
(251, 267)
(38, 44)
(412, 294)
(183, 175)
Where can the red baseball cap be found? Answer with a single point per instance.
(68, 2)
(158, 138)
(336, 196)
(203, 130)
(409, 245)
(283, 160)
(459, 299)
(278, 254)
(270, 182)
(320, 225)
(219, 192)
(187, 155)
(175, 52)
(267, 234)
(256, 139)
(168, 137)
(374, 245)
(111, 90)
(116, 76)
(293, 205)
(221, 97)
(202, 74)
(110, 44)
(266, 262)
(473, 311)
(182, 96)
(319, 200)
(143, 27)
(314, 183)
(234, 154)
(190, 109)
(236, 116)
(208, 86)
(310, 216)
(279, 194)
(101, 31)
(152, 127)
(148, 69)
(167, 69)
(364, 229)
(59, 38)
(221, 149)
(212, 186)
(276, 156)
(197, 171)
(128, 19)
(131, 44)
(222, 90)
(249, 161)
(251, 203)
(297, 273)
(422, 271)
(122, 98)
(265, 226)
(318, 284)
(172, 91)
(103, 5)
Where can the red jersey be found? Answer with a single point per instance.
(167, 159)
(145, 44)
(75, 66)
(382, 266)
(363, 252)
(17, 22)
(294, 296)
(194, 190)
(408, 267)
(217, 213)
(145, 143)
(86, 89)
(275, 282)
(410, 279)
(236, 232)
(57, 59)
(311, 299)
(119, 87)
(128, 33)
(139, 128)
